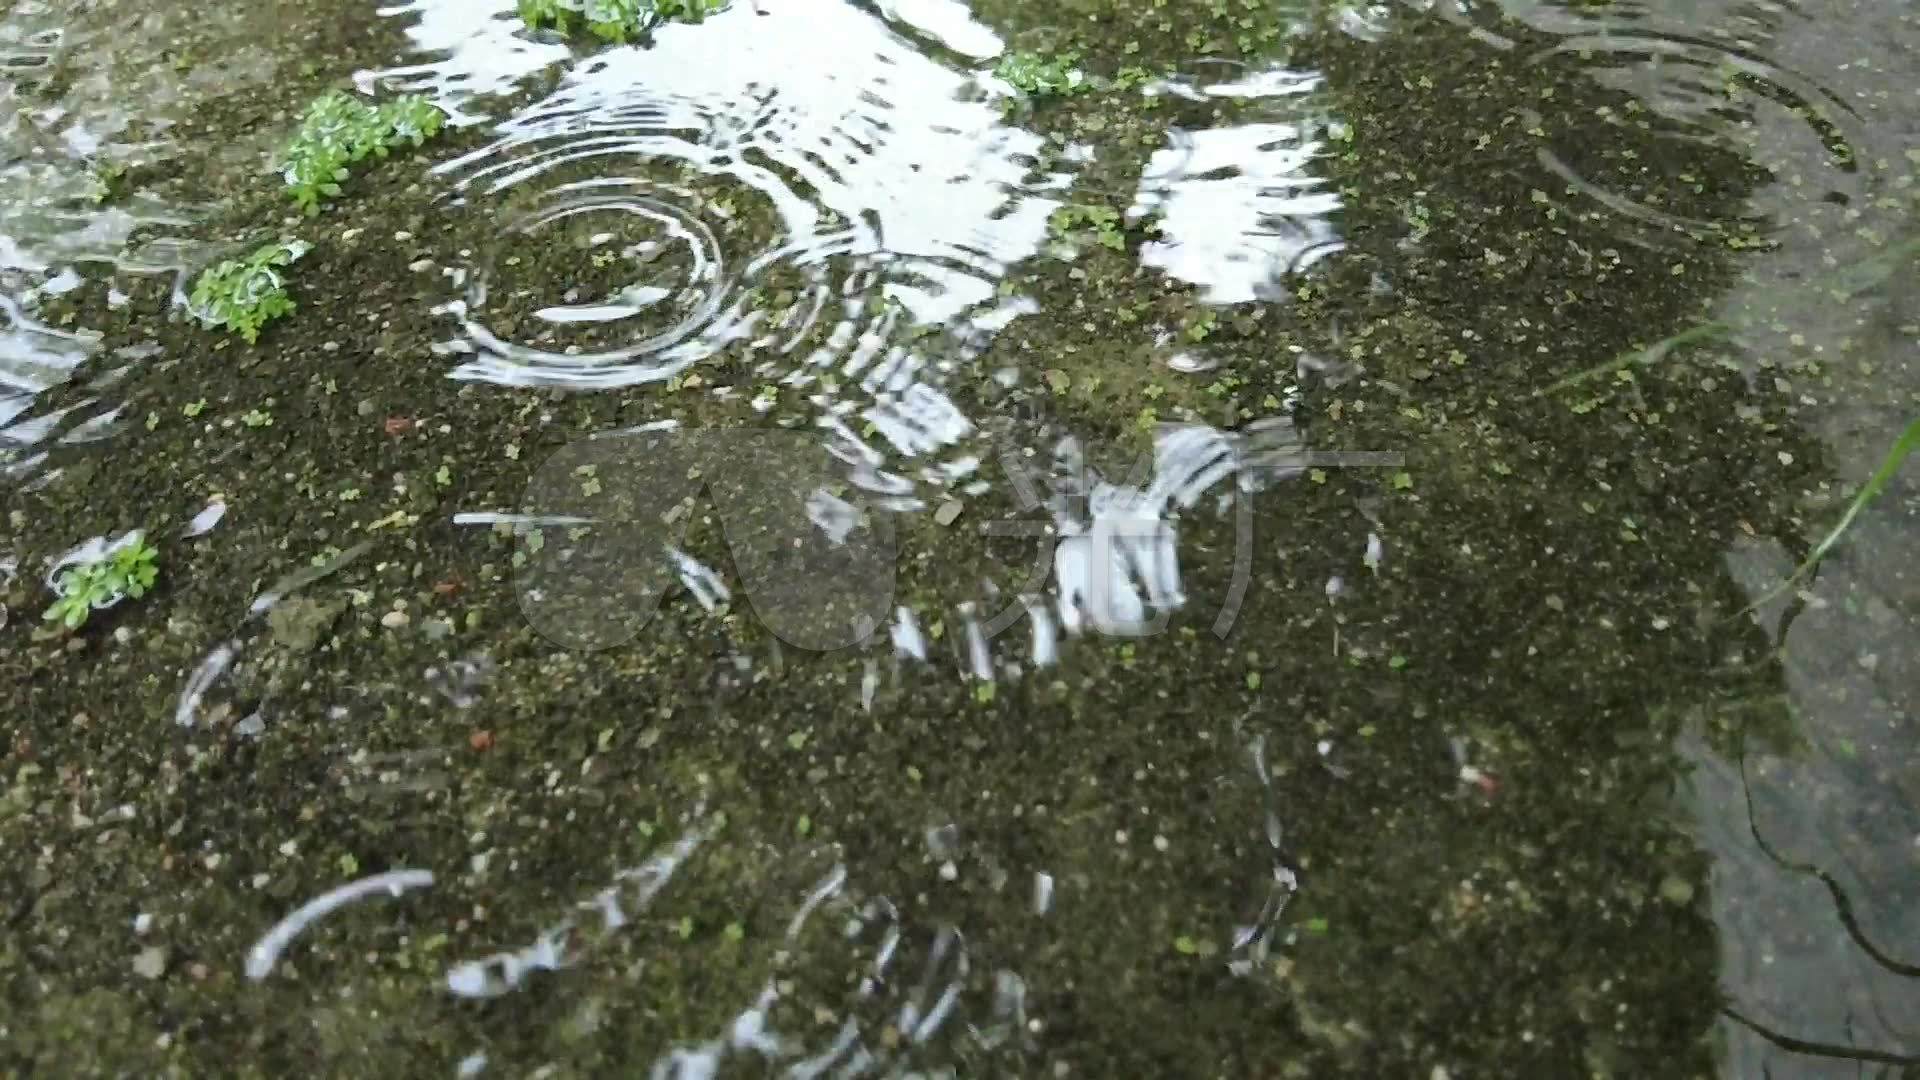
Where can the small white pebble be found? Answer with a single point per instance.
(151, 963)
(1119, 836)
(1786, 458)
(948, 871)
(1159, 842)
(289, 847)
(394, 620)
(142, 923)
(403, 236)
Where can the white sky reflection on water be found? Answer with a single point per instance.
(886, 176)
(903, 156)
(1240, 206)
(476, 47)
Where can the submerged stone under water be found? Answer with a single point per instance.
(940, 539)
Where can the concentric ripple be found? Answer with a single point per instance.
(1725, 76)
(863, 205)
(644, 276)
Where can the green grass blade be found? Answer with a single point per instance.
(1648, 355)
(1877, 268)
(1889, 465)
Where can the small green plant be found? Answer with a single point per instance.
(243, 294)
(691, 11)
(102, 578)
(339, 130)
(615, 21)
(103, 181)
(1199, 326)
(1103, 222)
(539, 13)
(1039, 75)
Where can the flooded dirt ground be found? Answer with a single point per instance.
(930, 539)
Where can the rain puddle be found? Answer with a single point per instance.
(928, 539)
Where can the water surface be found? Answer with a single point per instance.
(769, 550)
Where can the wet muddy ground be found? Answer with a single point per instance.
(772, 549)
